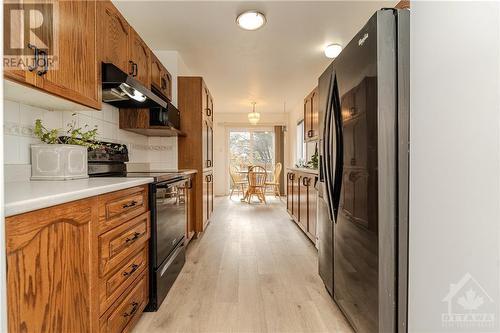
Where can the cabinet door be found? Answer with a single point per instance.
(315, 115)
(204, 142)
(51, 266)
(166, 83)
(206, 178)
(21, 58)
(160, 77)
(210, 195)
(210, 105)
(295, 196)
(307, 118)
(289, 192)
(139, 56)
(156, 72)
(210, 147)
(312, 196)
(113, 35)
(191, 208)
(73, 71)
(302, 218)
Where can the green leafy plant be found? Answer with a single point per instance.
(313, 162)
(74, 135)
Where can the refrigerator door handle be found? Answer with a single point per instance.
(339, 148)
(327, 148)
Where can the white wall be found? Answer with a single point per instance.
(454, 196)
(224, 121)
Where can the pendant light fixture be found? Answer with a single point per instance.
(253, 117)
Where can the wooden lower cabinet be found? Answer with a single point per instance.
(66, 274)
(302, 201)
(51, 269)
(127, 310)
(289, 190)
(208, 196)
(190, 196)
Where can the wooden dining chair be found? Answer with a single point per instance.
(275, 182)
(257, 176)
(237, 182)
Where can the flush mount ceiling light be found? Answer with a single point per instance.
(333, 50)
(251, 20)
(253, 117)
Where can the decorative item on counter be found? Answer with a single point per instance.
(313, 162)
(61, 157)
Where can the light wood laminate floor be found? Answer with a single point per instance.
(253, 270)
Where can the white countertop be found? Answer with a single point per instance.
(26, 196)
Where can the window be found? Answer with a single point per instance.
(301, 146)
(251, 147)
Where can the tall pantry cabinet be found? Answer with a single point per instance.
(196, 148)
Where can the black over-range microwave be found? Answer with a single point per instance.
(168, 116)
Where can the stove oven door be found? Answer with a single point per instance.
(168, 219)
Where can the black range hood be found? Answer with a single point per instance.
(124, 91)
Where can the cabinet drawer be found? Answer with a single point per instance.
(115, 283)
(124, 316)
(121, 242)
(118, 207)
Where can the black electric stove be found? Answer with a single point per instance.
(167, 204)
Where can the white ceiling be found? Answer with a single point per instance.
(276, 64)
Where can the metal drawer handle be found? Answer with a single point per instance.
(305, 181)
(135, 306)
(131, 204)
(132, 270)
(35, 63)
(131, 63)
(133, 238)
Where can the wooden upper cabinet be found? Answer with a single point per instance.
(315, 115)
(139, 54)
(74, 73)
(156, 71)
(307, 118)
(311, 116)
(161, 80)
(22, 74)
(67, 65)
(113, 36)
(208, 104)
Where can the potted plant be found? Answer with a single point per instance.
(61, 157)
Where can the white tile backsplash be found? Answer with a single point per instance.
(19, 121)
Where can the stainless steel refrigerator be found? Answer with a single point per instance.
(363, 187)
